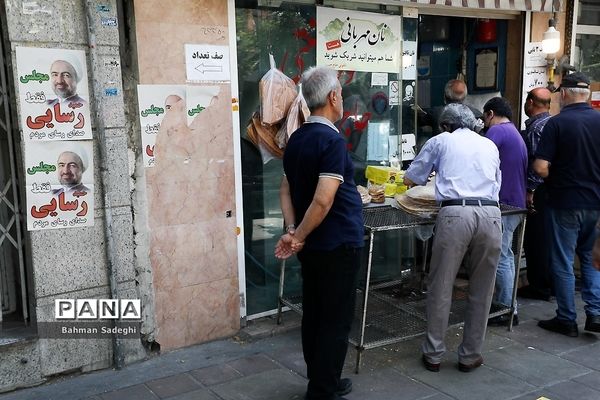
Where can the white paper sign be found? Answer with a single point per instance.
(377, 144)
(486, 69)
(206, 62)
(154, 102)
(408, 147)
(358, 41)
(534, 77)
(379, 79)
(53, 94)
(534, 56)
(409, 60)
(394, 93)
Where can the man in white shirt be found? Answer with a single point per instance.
(467, 185)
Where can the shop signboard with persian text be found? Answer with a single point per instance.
(358, 41)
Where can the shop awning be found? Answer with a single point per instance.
(508, 5)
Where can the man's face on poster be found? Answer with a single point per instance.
(70, 168)
(63, 78)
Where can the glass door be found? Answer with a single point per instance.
(378, 110)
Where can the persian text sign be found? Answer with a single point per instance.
(53, 94)
(358, 41)
(59, 184)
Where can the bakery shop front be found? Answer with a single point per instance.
(394, 59)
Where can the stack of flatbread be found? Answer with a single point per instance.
(419, 200)
(377, 193)
(365, 197)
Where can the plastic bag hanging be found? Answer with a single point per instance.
(296, 116)
(276, 92)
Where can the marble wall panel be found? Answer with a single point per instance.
(193, 244)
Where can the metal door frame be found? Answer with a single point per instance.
(14, 220)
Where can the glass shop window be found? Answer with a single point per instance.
(587, 39)
(372, 124)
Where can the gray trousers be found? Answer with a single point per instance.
(475, 234)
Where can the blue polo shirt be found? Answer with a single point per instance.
(570, 141)
(316, 150)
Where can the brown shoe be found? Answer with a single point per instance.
(433, 367)
(470, 367)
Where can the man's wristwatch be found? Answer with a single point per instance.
(289, 228)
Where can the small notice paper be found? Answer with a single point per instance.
(205, 62)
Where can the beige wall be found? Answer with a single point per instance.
(514, 55)
(539, 24)
(193, 247)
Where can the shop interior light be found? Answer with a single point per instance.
(550, 46)
(551, 38)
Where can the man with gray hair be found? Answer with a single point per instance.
(568, 158)
(323, 221)
(467, 184)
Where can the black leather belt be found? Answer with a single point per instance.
(468, 202)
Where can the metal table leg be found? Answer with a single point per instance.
(520, 238)
(363, 320)
(280, 301)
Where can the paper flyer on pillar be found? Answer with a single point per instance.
(154, 102)
(198, 99)
(53, 94)
(60, 184)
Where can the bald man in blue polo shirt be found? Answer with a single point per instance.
(323, 215)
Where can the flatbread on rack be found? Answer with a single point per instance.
(419, 200)
(365, 197)
(422, 193)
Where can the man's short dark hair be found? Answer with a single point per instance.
(500, 106)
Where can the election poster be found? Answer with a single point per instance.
(154, 102)
(198, 98)
(358, 41)
(59, 178)
(53, 94)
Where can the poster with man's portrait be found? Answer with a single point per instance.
(155, 101)
(60, 184)
(53, 94)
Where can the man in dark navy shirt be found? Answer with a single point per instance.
(318, 195)
(569, 160)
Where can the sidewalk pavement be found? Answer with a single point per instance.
(527, 363)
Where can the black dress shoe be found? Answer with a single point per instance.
(470, 367)
(433, 367)
(592, 323)
(528, 292)
(503, 320)
(555, 325)
(344, 386)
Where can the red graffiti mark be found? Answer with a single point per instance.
(311, 42)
